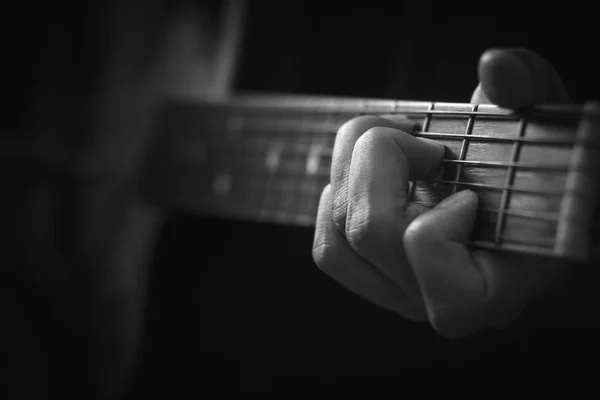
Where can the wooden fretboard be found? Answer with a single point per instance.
(267, 158)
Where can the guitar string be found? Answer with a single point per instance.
(257, 145)
(480, 163)
(497, 164)
(285, 184)
(14, 151)
(256, 161)
(367, 107)
(510, 165)
(331, 104)
(263, 126)
(239, 207)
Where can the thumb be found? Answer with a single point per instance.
(516, 78)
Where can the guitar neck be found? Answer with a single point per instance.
(267, 158)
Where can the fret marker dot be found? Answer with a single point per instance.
(272, 160)
(222, 184)
(312, 162)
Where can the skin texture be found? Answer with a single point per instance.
(412, 260)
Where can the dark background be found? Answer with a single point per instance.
(238, 305)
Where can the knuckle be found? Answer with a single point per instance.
(339, 207)
(363, 229)
(339, 215)
(368, 140)
(353, 129)
(360, 124)
(323, 255)
(375, 136)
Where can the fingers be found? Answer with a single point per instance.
(383, 161)
(516, 78)
(371, 166)
(334, 256)
(466, 291)
(345, 139)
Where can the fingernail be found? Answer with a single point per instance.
(455, 199)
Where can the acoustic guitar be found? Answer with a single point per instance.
(266, 157)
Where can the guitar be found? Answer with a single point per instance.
(266, 157)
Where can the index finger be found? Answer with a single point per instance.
(383, 161)
(345, 140)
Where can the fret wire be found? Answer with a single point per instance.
(464, 147)
(412, 185)
(508, 183)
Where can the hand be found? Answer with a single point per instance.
(413, 260)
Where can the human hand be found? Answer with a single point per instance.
(413, 260)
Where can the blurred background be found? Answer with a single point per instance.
(235, 305)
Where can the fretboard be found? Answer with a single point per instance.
(267, 158)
